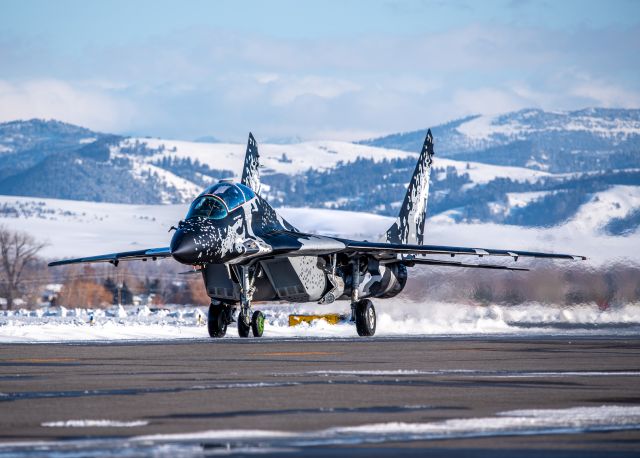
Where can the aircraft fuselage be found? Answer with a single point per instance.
(254, 230)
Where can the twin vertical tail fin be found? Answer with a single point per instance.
(409, 227)
(250, 172)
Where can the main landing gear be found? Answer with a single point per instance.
(362, 311)
(218, 319)
(221, 315)
(365, 318)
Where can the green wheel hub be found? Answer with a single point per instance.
(257, 324)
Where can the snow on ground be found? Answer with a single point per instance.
(469, 373)
(396, 317)
(484, 173)
(76, 228)
(524, 422)
(530, 421)
(522, 199)
(483, 127)
(615, 202)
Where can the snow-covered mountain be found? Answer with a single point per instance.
(529, 168)
(584, 140)
(43, 136)
(144, 170)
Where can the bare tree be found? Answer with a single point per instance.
(17, 251)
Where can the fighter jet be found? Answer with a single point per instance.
(248, 253)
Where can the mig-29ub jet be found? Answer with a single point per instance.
(246, 252)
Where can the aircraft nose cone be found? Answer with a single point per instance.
(183, 247)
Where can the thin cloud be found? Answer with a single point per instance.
(54, 99)
(199, 81)
(327, 88)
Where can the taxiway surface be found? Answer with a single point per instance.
(305, 396)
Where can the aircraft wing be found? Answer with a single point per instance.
(291, 243)
(413, 252)
(439, 262)
(115, 258)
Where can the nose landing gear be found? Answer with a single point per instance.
(220, 316)
(256, 322)
(244, 325)
(255, 325)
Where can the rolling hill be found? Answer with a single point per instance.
(527, 168)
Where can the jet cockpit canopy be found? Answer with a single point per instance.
(218, 200)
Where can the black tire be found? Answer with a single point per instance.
(243, 328)
(257, 324)
(365, 318)
(217, 320)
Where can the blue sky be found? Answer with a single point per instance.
(341, 70)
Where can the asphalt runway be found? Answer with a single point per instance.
(445, 396)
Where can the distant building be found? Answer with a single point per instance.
(143, 299)
(50, 294)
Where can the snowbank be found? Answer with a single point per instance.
(396, 317)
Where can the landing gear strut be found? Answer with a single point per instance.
(247, 319)
(362, 311)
